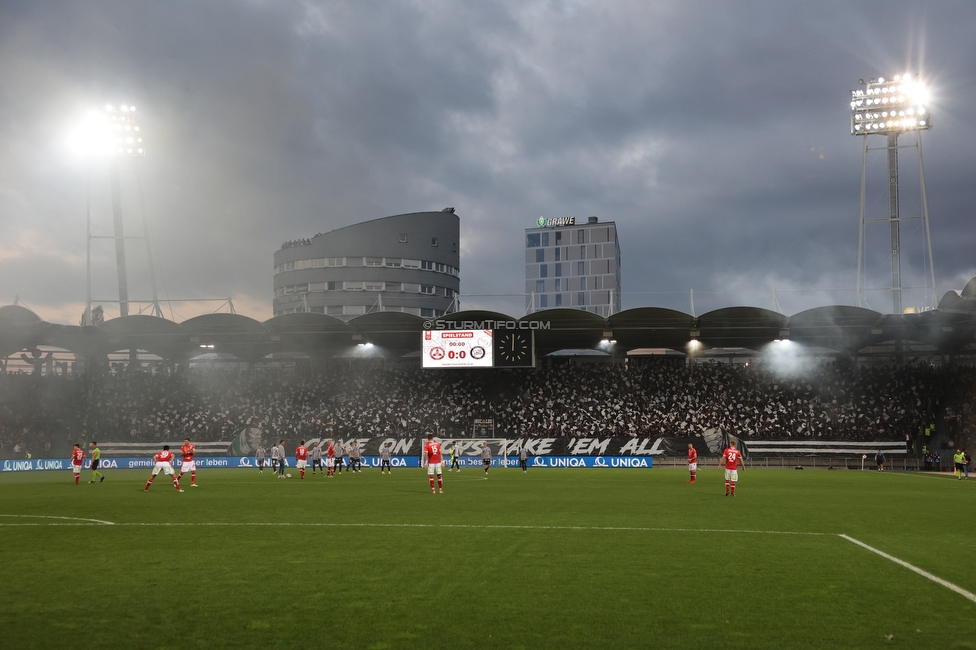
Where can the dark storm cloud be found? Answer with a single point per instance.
(715, 134)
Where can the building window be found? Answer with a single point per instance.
(581, 298)
(583, 283)
(558, 281)
(559, 254)
(545, 239)
(543, 271)
(579, 268)
(579, 236)
(532, 240)
(540, 255)
(352, 286)
(334, 310)
(403, 238)
(373, 286)
(559, 300)
(316, 286)
(411, 264)
(559, 268)
(392, 286)
(427, 266)
(394, 262)
(427, 288)
(453, 247)
(540, 286)
(543, 301)
(582, 252)
(559, 237)
(372, 261)
(433, 241)
(426, 312)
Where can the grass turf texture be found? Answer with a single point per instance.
(545, 559)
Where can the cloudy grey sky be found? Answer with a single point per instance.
(716, 135)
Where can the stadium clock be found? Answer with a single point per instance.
(514, 349)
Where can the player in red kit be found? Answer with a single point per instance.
(692, 462)
(330, 459)
(732, 458)
(301, 458)
(77, 460)
(163, 462)
(433, 460)
(189, 465)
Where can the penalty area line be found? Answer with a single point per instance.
(911, 567)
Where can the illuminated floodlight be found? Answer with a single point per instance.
(109, 131)
(890, 106)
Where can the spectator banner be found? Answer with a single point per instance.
(821, 447)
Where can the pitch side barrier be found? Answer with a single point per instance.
(247, 462)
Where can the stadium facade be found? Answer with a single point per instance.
(573, 264)
(407, 263)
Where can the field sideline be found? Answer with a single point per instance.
(552, 558)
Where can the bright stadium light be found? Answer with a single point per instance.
(109, 131)
(895, 105)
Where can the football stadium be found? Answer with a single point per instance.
(566, 510)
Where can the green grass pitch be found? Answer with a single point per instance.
(559, 558)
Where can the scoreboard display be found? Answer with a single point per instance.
(458, 349)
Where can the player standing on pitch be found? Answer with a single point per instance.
(385, 458)
(301, 458)
(692, 462)
(259, 456)
(355, 458)
(732, 458)
(77, 460)
(330, 459)
(163, 460)
(317, 458)
(187, 451)
(433, 460)
(455, 454)
(281, 458)
(485, 456)
(274, 458)
(339, 453)
(523, 457)
(96, 456)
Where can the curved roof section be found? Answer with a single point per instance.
(151, 333)
(17, 316)
(651, 327)
(741, 327)
(563, 329)
(20, 328)
(241, 336)
(969, 291)
(390, 330)
(838, 327)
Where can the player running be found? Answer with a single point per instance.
(301, 458)
(385, 458)
(485, 456)
(96, 457)
(433, 460)
(163, 461)
(77, 460)
(187, 451)
(692, 462)
(732, 458)
(330, 456)
(317, 458)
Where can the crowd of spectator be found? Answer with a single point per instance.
(564, 398)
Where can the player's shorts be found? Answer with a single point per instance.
(486, 461)
(95, 464)
(76, 469)
(959, 466)
(692, 467)
(732, 475)
(435, 468)
(188, 466)
(165, 467)
(301, 464)
(330, 462)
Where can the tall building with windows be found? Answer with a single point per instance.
(406, 263)
(573, 265)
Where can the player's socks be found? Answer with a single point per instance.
(301, 473)
(149, 482)
(77, 477)
(176, 484)
(193, 477)
(440, 482)
(431, 477)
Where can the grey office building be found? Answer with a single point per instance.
(573, 265)
(406, 263)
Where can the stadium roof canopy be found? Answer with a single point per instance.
(844, 329)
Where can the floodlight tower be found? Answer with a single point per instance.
(114, 133)
(892, 107)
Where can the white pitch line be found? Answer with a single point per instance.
(459, 526)
(82, 519)
(911, 567)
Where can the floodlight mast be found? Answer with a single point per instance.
(890, 108)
